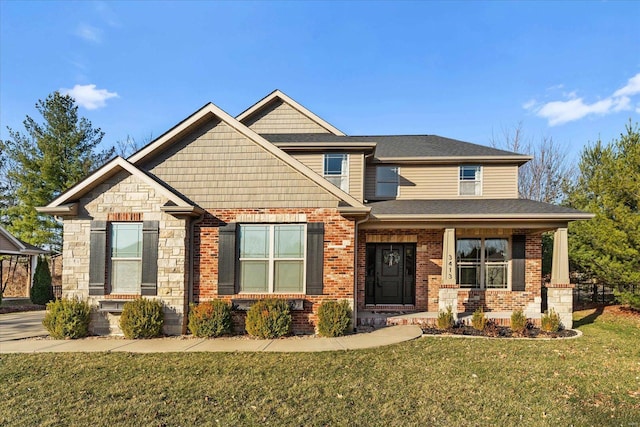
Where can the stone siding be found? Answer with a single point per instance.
(120, 195)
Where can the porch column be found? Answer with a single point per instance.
(449, 257)
(448, 293)
(560, 290)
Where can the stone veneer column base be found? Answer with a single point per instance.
(560, 299)
(448, 297)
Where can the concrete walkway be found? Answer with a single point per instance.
(17, 326)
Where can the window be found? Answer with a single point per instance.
(470, 180)
(126, 257)
(483, 263)
(387, 178)
(272, 258)
(336, 170)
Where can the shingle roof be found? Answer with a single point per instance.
(471, 207)
(400, 146)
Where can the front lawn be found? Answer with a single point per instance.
(593, 380)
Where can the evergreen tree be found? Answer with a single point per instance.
(41, 291)
(44, 161)
(608, 246)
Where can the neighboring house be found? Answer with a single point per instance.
(16, 248)
(279, 203)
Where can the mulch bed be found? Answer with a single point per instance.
(498, 332)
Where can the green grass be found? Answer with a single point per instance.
(593, 380)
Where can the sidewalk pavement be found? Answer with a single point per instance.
(377, 338)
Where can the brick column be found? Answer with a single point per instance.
(560, 290)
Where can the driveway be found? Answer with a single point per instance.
(25, 324)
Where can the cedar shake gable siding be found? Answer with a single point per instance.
(217, 167)
(280, 117)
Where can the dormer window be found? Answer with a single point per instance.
(336, 170)
(470, 180)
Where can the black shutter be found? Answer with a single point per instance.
(518, 262)
(97, 257)
(315, 258)
(149, 258)
(227, 256)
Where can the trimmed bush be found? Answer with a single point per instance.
(142, 318)
(518, 322)
(67, 318)
(269, 318)
(334, 318)
(210, 319)
(550, 321)
(41, 291)
(478, 320)
(445, 319)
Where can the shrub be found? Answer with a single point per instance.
(142, 318)
(210, 319)
(67, 318)
(41, 291)
(628, 298)
(334, 318)
(269, 318)
(550, 321)
(518, 322)
(445, 319)
(478, 320)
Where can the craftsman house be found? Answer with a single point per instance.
(277, 202)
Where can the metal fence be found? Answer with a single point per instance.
(57, 291)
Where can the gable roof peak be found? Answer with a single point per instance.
(277, 94)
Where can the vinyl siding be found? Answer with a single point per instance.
(280, 117)
(441, 182)
(6, 244)
(315, 161)
(216, 167)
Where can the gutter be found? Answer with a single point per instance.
(192, 227)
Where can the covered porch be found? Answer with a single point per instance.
(414, 264)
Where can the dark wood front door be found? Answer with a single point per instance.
(390, 275)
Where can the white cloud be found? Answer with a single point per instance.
(88, 96)
(632, 87)
(89, 33)
(560, 112)
(529, 104)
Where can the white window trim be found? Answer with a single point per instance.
(271, 261)
(397, 182)
(112, 259)
(478, 181)
(483, 263)
(344, 176)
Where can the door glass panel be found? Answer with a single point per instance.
(390, 262)
(409, 263)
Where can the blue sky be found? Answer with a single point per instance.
(464, 70)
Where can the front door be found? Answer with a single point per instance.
(390, 277)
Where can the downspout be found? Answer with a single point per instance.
(355, 271)
(192, 227)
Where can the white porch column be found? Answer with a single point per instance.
(448, 293)
(560, 261)
(449, 257)
(560, 290)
